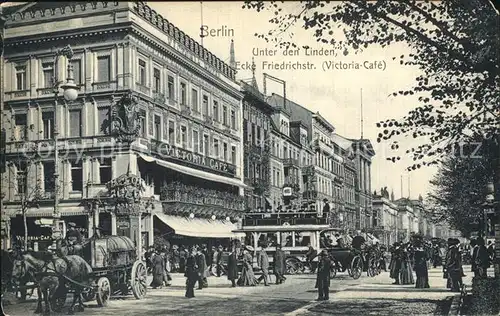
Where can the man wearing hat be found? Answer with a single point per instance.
(73, 235)
(323, 276)
(263, 262)
(454, 265)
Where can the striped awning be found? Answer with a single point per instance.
(200, 227)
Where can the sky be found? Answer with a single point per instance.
(336, 93)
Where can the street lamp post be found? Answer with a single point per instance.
(70, 93)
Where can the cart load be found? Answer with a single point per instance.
(112, 251)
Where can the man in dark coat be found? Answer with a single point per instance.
(480, 259)
(310, 255)
(454, 265)
(191, 273)
(219, 260)
(202, 266)
(279, 264)
(323, 276)
(263, 262)
(232, 267)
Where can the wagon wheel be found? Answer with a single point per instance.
(333, 271)
(88, 295)
(370, 271)
(356, 267)
(292, 266)
(59, 298)
(103, 291)
(138, 279)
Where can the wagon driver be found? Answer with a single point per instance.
(73, 236)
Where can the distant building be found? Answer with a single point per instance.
(385, 217)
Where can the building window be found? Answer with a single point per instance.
(21, 126)
(205, 104)
(142, 72)
(233, 155)
(224, 115)
(75, 123)
(76, 176)
(103, 124)
(21, 78)
(233, 119)
(184, 137)
(216, 148)
(77, 71)
(142, 119)
(48, 125)
(171, 132)
(105, 173)
(48, 176)
(157, 80)
(170, 87)
(184, 94)
(196, 141)
(225, 151)
(194, 100)
(22, 178)
(206, 145)
(48, 75)
(215, 111)
(157, 129)
(103, 69)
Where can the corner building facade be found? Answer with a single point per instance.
(153, 104)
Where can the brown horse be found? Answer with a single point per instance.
(50, 273)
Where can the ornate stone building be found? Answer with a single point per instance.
(257, 128)
(153, 105)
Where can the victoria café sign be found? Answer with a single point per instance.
(167, 151)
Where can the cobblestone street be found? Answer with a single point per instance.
(368, 296)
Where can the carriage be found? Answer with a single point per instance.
(116, 269)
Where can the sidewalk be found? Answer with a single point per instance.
(378, 296)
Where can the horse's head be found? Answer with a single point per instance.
(20, 269)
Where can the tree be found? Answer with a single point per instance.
(458, 192)
(454, 43)
(455, 46)
(29, 194)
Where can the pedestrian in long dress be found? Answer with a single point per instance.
(158, 266)
(263, 262)
(395, 264)
(406, 272)
(421, 270)
(232, 267)
(323, 276)
(191, 273)
(279, 265)
(247, 277)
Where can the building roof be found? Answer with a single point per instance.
(343, 142)
(297, 111)
(323, 121)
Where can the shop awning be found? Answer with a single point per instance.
(200, 227)
(194, 172)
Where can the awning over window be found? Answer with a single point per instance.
(200, 227)
(194, 172)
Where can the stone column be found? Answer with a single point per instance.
(113, 224)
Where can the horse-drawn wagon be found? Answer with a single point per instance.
(102, 267)
(115, 268)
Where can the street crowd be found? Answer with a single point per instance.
(409, 262)
(418, 255)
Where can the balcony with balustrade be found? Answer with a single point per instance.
(182, 199)
(291, 162)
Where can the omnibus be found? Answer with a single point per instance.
(294, 231)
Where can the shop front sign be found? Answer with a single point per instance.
(167, 151)
(127, 188)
